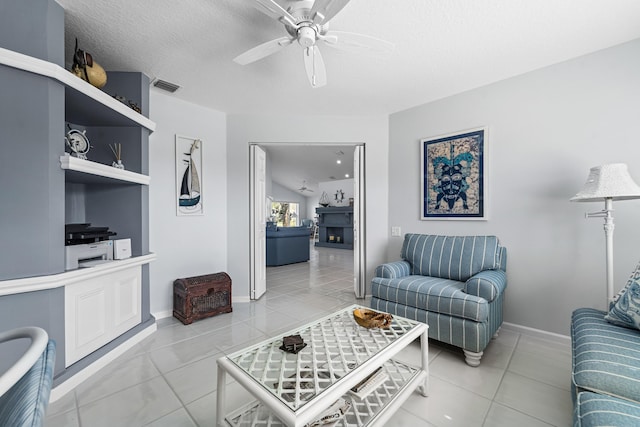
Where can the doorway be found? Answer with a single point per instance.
(258, 206)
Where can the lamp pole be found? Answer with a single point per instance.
(608, 182)
(609, 226)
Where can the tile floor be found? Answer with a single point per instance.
(169, 379)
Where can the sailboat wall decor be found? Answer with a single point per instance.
(189, 176)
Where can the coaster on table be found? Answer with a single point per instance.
(292, 344)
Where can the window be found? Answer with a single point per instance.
(285, 214)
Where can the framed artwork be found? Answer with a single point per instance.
(188, 176)
(453, 176)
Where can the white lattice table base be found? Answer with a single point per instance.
(295, 388)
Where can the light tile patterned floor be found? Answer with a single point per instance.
(169, 379)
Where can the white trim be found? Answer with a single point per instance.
(359, 223)
(552, 336)
(162, 314)
(84, 374)
(39, 283)
(54, 71)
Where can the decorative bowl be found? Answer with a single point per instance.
(372, 319)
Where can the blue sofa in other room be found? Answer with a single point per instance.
(287, 245)
(455, 284)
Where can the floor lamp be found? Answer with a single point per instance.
(608, 183)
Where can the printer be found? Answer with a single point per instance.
(86, 246)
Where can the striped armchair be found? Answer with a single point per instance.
(455, 284)
(25, 387)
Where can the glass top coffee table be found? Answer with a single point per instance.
(298, 389)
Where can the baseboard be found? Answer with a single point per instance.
(169, 313)
(163, 314)
(552, 336)
(68, 385)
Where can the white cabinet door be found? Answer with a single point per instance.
(85, 319)
(99, 310)
(127, 304)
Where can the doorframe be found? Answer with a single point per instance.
(257, 222)
(362, 179)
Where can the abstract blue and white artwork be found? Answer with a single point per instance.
(453, 176)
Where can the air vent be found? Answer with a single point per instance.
(164, 85)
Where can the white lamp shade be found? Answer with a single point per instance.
(608, 182)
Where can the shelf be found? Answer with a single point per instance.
(335, 225)
(88, 172)
(335, 209)
(38, 283)
(375, 409)
(105, 111)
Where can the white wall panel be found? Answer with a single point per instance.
(186, 245)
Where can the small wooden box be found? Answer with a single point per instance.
(201, 296)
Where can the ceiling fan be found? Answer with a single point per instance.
(304, 188)
(307, 22)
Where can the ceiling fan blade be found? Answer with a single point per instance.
(354, 42)
(313, 63)
(263, 50)
(275, 11)
(323, 10)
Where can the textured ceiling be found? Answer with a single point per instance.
(442, 47)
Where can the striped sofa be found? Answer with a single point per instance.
(455, 284)
(605, 377)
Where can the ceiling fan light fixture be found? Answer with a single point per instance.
(306, 36)
(307, 21)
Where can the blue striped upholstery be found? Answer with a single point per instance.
(450, 257)
(597, 410)
(606, 357)
(463, 333)
(24, 404)
(431, 294)
(487, 284)
(502, 257)
(453, 283)
(393, 270)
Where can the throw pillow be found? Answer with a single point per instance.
(625, 309)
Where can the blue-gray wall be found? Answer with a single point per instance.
(546, 129)
(32, 215)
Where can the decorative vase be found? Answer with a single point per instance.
(87, 69)
(324, 199)
(118, 164)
